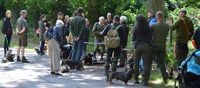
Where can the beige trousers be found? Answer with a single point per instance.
(54, 55)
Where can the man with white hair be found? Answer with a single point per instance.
(109, 19)
(54, 48)
(97, 29)
(22, 31)
(124, 39)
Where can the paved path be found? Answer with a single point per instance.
(36, 75)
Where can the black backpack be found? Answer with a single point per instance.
(48, 34)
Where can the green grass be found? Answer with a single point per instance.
(156, 80)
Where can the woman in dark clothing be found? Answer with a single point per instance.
(142, 45)
(7, 31)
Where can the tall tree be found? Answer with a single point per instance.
(155, 5)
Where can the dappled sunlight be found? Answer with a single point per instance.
(157, 81)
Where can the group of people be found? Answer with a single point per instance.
(149, 38)
(22, 30)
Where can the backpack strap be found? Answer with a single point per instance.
(186, 27)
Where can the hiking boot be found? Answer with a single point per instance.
(144, 83)
(54, 73)
(137, 82)
(24, 60)
(40, 53)
(58, 74)
(43, 52)
(37, 51)
(18, 59)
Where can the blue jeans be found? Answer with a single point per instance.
(84, 49)
(77, 50)
(141, 64)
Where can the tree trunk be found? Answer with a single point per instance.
(155, 5)
(93, 11)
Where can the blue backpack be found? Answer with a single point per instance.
(48, 34)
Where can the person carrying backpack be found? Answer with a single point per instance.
(113, 33)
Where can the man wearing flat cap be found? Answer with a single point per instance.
(184, 31)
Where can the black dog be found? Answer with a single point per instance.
(88, 59)
(10, 56)
(75, 65)
(123, 76)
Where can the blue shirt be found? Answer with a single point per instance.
(192, 66)
(152, 21)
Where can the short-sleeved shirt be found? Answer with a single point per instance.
(21, 22)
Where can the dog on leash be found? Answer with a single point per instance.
(75, 65)
(9, 57)
(122, 76)
(88, 59)
(65, 69)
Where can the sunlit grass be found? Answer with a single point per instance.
(156, 80)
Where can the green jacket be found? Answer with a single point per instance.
(159, 33)
(183, 32)
(42, 30)
(77, 26)
(97, 28)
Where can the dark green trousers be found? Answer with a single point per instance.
(123, 57)
(112, 61)
(159, 54)
(143, 50)
(181, 51)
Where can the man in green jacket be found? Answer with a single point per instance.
(160, 31)
(97, 29)
(184, 32)
(77, 26)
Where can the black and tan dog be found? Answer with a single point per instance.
(122, 76)
(88, 59)
(9, 57)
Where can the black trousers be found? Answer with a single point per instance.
(181, 51)
(7, 43)
(41, 46)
